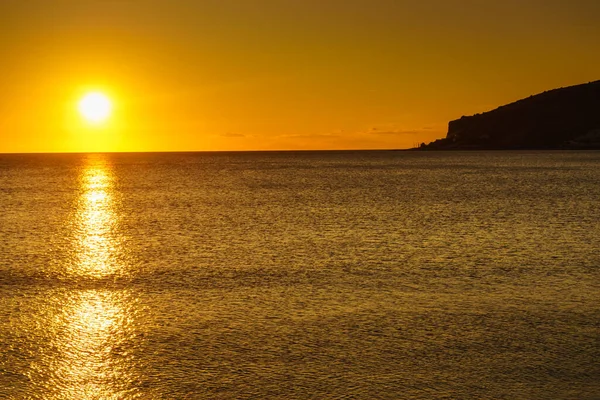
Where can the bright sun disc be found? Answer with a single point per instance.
(95, 107)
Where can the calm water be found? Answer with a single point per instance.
(364, 275)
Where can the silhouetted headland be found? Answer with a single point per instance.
(565, 118)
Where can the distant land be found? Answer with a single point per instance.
(565, 118)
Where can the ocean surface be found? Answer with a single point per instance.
(300, 275)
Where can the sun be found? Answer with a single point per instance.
(95, 107)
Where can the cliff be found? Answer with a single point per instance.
(560, 118)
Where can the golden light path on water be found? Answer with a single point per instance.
(96, 223)
(91, 356)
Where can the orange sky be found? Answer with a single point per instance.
(278, 74)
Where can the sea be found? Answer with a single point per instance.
(300, 275)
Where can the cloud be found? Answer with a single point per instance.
(335, 134)
(398, 132)
(232, 135)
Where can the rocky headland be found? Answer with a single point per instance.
(565, 118)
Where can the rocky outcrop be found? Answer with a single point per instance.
(560, 118)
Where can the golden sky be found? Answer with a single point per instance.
(188, 75)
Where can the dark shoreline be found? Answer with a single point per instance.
(472, 148)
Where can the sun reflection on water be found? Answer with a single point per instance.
(93, 330)
(97, 240)
(92, 357)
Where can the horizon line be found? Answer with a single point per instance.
(198, 151)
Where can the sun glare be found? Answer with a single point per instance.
(95, 107)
